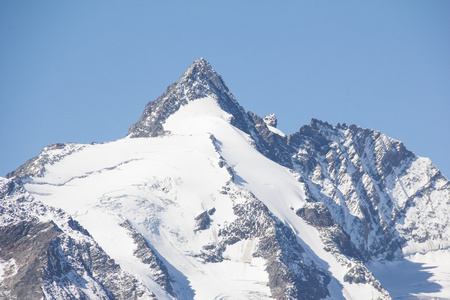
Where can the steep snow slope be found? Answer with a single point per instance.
(160, 185)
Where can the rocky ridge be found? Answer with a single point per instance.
(372, 186)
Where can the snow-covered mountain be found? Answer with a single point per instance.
(203, 200)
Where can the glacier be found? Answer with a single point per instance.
(202, 200)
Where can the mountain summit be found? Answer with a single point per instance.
(203, 200)
(199, 81)
(200, 74)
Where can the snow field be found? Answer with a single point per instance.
(161, 184)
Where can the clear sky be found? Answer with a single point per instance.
(82, 71)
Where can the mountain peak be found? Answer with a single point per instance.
(199, 81)
(200, 65)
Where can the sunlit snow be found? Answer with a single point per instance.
(161, 184)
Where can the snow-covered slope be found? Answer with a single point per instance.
(204, 201)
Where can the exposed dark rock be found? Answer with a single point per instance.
(26, 244)
(76, 226)
(148, 256)
(272, 145)
(202, 221)
(316, 214)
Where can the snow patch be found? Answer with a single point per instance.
(276, 131)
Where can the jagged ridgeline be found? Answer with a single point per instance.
(203, 200)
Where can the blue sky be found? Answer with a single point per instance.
(82, 71)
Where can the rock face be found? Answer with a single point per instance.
(272, 145)
(49, 261)
(148, 256)
(372, 186)
(26, 246)
(184, 215)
